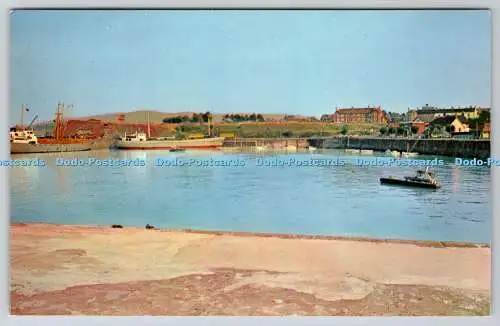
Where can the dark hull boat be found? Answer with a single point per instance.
(422, 179)
(409, 183)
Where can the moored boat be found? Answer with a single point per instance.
(422, 179)
(142, 141)
(409, 154)
(20, 148)
(139, 140)
(24, 141)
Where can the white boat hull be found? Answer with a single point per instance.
(407, 155)
(205, 143)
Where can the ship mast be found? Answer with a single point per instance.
(209, 120)
(59, 121)
(149, 128)
(22, 115)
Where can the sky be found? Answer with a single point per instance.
(296, 62)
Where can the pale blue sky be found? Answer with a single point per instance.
(297, 62)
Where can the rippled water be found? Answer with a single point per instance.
(334, 200)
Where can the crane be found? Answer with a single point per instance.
(32, 121)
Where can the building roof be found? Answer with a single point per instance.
(425, 117)
(447, 120)
(437, 110)
(357, 110)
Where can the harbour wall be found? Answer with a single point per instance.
(469, 148)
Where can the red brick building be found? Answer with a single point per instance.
(360, 115)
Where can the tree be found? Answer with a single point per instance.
(173, 120)
(287, 133)
(325, 117)
(391, 130)
(484, 116)
(260, 117)
(414, 129)
(383, 130)
(205, 116)
(196, 117)
(400, 130)
(344, 130)
(178, 132)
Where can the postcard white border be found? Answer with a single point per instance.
(5, 319)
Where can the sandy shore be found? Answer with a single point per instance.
(59, 269)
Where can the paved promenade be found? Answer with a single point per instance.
(104, 271)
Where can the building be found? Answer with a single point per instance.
(449, 126)
(428, 113)
(360, 115)
(485, 130)
(396, 117)
(418, 125)
(482, 130)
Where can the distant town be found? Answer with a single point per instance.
(469, 122)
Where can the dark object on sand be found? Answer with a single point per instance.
(117, 226)
(177, 150)
(422, 179)
(149, 227)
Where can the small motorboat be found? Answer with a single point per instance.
(409, 154)
(422, 179)
(177, 150)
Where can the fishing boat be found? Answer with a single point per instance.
(23, 139)
(422, 179)
(142, 141)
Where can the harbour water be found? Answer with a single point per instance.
(345, 200)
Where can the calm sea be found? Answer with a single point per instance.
(343, 200)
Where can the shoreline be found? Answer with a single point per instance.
(100, 270)
(419, 243)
